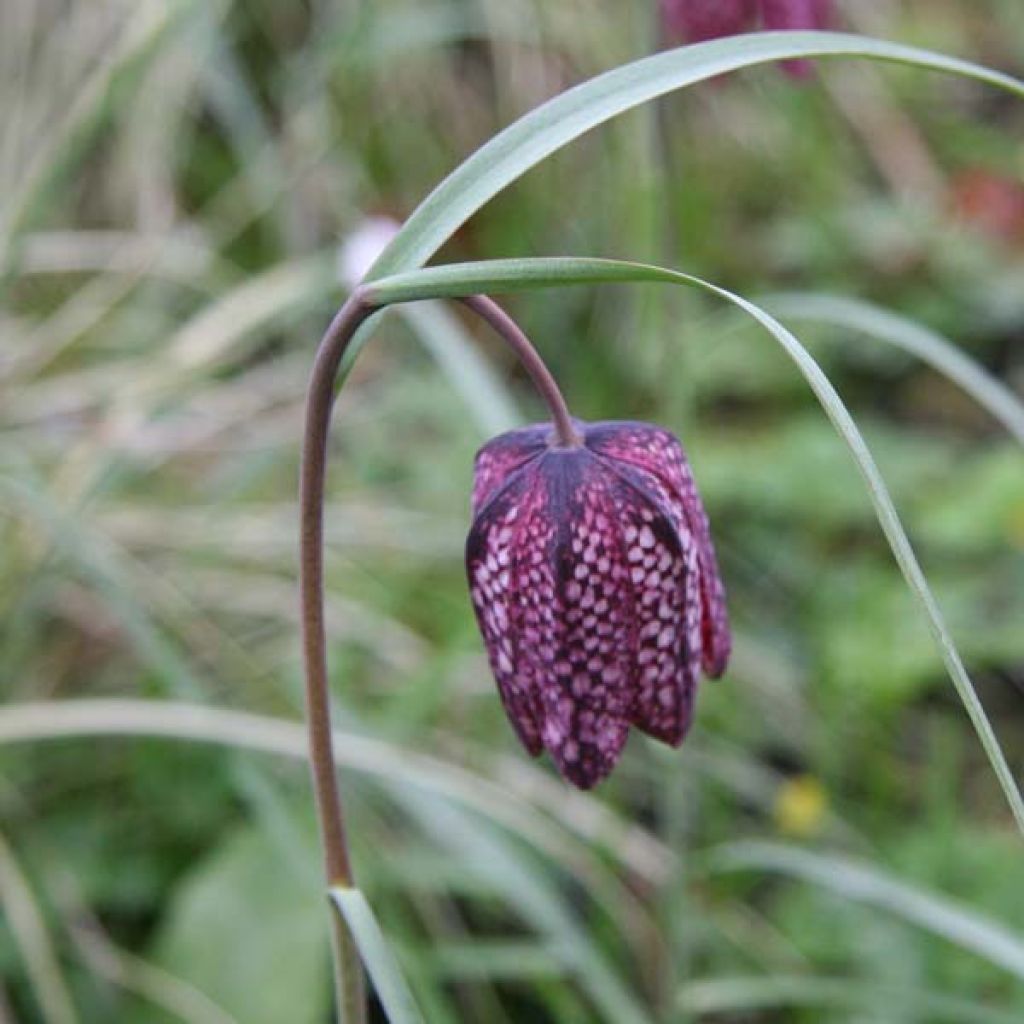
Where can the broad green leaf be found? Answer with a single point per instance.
(380, 962)
(984, 510)
(870, 645)
(519, 275)
(789, 475)
(569, 115)
(247, 930)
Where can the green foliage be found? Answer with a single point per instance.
(245, 927)
(177, 181)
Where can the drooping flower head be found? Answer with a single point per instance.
(595, 585)
(698, 20)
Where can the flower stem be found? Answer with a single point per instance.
(349, 980)
(348, 974)
(319, 401)
(568, 436)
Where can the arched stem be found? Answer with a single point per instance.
(533, 364)
(319, 401)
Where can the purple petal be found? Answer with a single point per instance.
(491, 548)
(502, 456)
(589, 649)
(659, 453)
(662, 573)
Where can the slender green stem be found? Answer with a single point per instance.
(319, 401)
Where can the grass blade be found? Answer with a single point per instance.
(988, 939)
(380, 962)
(746, 994)
(28, 930)
(128, 60)
(508, 805)
(931, 348)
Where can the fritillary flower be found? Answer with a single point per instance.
(595, 585)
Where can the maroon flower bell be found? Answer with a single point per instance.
(595, 584)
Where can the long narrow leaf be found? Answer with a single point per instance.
(745, 994)
(380, 962)
(519, 275)
(541, 132)
(507, 806)
(959, 924)
(27, 928)
(900, 332)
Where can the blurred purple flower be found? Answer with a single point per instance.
(796, 14)
(595, 585)
(697, 20)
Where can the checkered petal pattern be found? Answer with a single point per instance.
(594, 582)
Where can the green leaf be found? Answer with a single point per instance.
(26, 925)
(247, 930)
(554, 124)
(380, 962)
(487, 854)
(745, 994)
(961, 925)
(983, 509)
(929, 347)
(519, 275)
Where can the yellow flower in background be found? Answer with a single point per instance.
(801, 804)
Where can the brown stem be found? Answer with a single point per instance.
(319, 401)
(567, 435)
(337, 862)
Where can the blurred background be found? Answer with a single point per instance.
(187, 189)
